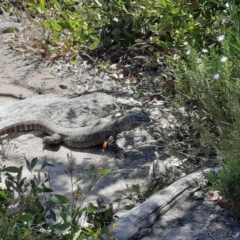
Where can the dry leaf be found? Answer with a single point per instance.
(195, 125)
(113, 66)
(63, 86)
(194, 3)
(132, 80)
(169, 83)
(223, 204)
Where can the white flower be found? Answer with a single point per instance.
(185, 43)
(198, 60)
(227, 5)
(115, 19)
(176, 57)
(223, 59)
(220, 38)
(212, 45)
(204, 50)
(188, 52)
(216, 76)
(216, 170)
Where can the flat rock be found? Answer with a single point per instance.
(90, 109)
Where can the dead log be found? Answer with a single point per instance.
(146, 214)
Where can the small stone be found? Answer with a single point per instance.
(198, 195)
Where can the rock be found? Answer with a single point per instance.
(74, 112)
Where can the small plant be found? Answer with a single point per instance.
(142, 27)
(207, 84)
(29, 208)
(227, 181)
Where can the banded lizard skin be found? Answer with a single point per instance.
(79, 137)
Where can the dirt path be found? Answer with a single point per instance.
(23, 74)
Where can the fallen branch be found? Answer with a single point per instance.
(146, 214)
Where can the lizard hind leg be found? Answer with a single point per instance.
(54, 139)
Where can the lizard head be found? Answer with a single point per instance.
(132, 120)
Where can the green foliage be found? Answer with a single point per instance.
(227, 181)
(147, 26)
(27, 211)
(207, 84)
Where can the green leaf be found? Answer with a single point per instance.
(93, 46)
(79, 178)
(98, 3)
(56, 26)
(96, 224)
(235, 46)
(57, 5)
(19, 175)
(66, 217)
(62, 228)
(25, 218)
(164, 3)
(136, 188)
(34, 162)
(156, 189)
(138, 40)
(78, 212)
(53, 215)
(46, 189)
(3, 195)
(89, 173)
(91, 210)
(212, 178)
(45, 163)
(50, 203)
(153, 28)
(77, 234)
(28, 165)
(129, 207)
(74, 62)
(175, 11)
(90, 188)
(82, 237)
(60, 199)
(47, 24)
(42, 4)
(108, 213)
(90, 231)
(104, 172)
(11, 169)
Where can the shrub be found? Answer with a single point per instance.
(29, 211)
(207, 84)
(146, 26)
